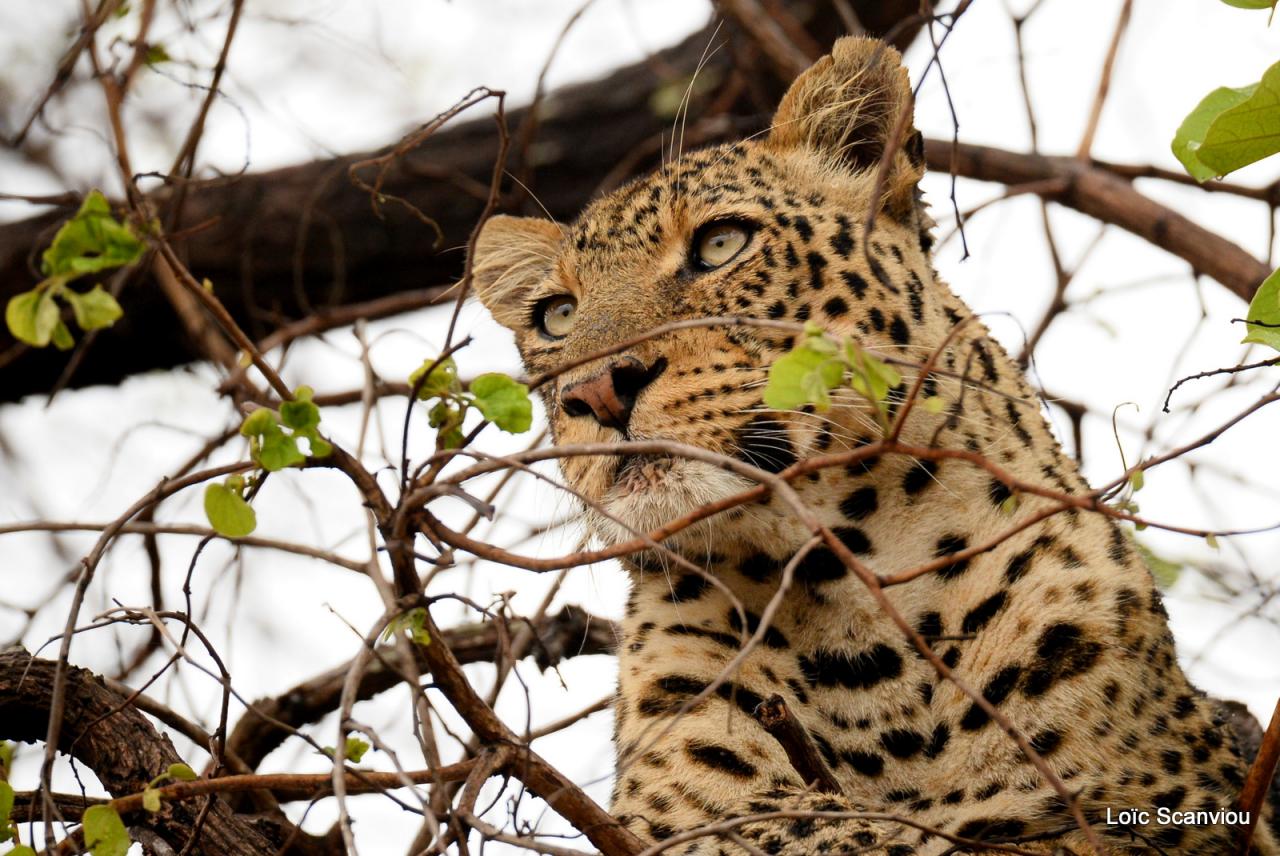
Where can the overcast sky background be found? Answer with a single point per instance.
(310, 79)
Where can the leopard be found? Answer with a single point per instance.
(655, 317)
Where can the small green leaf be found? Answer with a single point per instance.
(667, 100)
(6, 759)
(62, 338)
(94, 309)
(151, 800)
(446, 418)
(443, 379)
(104, 832)
(21, 850)
(1264, 309)
(803, 376)
(414, 621)
(91, 241)
(1251, 4)
(1164, 571)
(320, 447)
(1137, 480)
(278, 451)
(1010, 505)
(503, 401)
(181, 773)
(157, 54)
(270, 447)
(6, 808)
(258, 423)
(872, 377)
(32, 316)
(1212, 541)
(934, 404)
(228, 513)
(355, 749)
(300, 415)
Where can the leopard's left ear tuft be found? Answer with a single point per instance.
(852, 106)
(512, 255)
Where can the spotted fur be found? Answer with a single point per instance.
(1060, 626)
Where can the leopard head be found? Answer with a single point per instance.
(770, 228)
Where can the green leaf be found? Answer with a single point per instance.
(443, 379)
(1189, 138)
(181, 773)
(94, 309)
(32, 316)
(151, 800)
(1231, 128)
(228, 513)
(278, 451)
(1251, 4)
(300, 415)
(934, 404)
(62, 338)
(104, 832)
(1212, 541)
(871, 377)
(320, 447)
(446, 418)
(270, 447)
(303, 417)
(355, 749)
(414, 621)
(503, 401)
(6, 808)
(1164, 571)
(21, 850)
(1137, 480)
(258, 423)
(91, 241)
(1265, 309)
(806, 375)
(6, 759)
(157, 54)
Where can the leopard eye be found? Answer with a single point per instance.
(555, 315)
(717, 243)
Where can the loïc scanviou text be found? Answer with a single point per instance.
(1163, 816)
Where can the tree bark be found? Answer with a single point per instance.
(121, 747)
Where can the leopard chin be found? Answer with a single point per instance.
(652, 491)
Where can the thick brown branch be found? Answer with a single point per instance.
(1109, 199)
(119, 745)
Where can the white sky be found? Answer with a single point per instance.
(312, 78)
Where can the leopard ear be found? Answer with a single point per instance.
(849, 106)
(512, 255)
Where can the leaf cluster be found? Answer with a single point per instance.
(274, 445)
(90, 242)
(820, 363)
(499, 399)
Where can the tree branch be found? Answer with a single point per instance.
(1110, 199)
(119, 745)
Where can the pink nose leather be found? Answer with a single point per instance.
(609, 396)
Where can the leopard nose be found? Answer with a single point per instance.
(610, 395)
